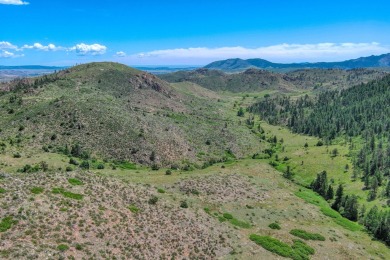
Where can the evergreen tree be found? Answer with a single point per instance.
(339, 196)
(320, 184)
(288, 173)
(330, 193)
(240, 112)
(351, 208)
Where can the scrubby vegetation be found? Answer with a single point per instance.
(307, 235)
(67, 194)
(298, 251)
(274, 226)
(146, 169)
(37, 190)
(6, 223)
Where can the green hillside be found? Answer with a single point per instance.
(358, 117)
(102, 161)
(255, 80)
(117, 113)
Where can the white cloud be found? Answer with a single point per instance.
(120, 54)
(7, 54)
(13, 2)
(38, 46)
(85, 49)
(7, 45)
(278, 53)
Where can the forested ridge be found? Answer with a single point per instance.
(361, 112)
(354, 111)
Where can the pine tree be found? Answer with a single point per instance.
(330, 193)
(240, 112)
(351, 208)
(372, 220)
(339, 196)
(288, 174)
(320, 184)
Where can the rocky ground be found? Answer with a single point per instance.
(104, 218)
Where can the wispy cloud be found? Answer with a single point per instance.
(7, 45)
(8, 54)
(120, 54)
(13, 2)
(281, 52)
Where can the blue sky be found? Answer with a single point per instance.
(187, 32)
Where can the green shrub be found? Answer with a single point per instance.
(73, 161)
(17, 155)
(273, 245)
(72, 195)
(2, 190)
(184, 204)
(133, 208)
(299, 250)
(79, 247)
(28, 168)
(68, 169)
(62, 247)
(37, 190)
(302, 247)
(6, 223)
(168, 172)
(67, 194)
(221, 219)
(160, 190)
(239, 223)
(84, 165)
(306, 235)
(75, 182)
(100, 166)
(227, 216)
(57, 190)
(153, 200)
(274, 226)
(127, 165)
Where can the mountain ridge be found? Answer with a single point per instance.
(241, 64)
(255, 80)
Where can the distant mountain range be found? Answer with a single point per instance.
(240, 64)
(256, 80)
(30, 67)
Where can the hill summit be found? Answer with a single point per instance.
(111, 111)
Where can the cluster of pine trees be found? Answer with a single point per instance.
(360, 111)
(354, 111)
(376, 221)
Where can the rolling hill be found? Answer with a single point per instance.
(103, 161)
(118, 113)
(240, 64)
(255, 80)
